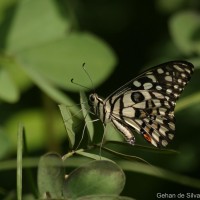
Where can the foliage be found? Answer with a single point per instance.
(43, 45)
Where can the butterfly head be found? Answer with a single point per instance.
(93, 99)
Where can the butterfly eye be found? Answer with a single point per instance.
(92, 98)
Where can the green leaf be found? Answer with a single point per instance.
(88, 121)
(111, 134)
(5, 144)
(19, 77)
(68, 122)
(35, 23)
(195, 61)
(39, 41)
(50, 175)
(188, 101)
(8, 90)
(95, 178)
(36, 130)
(61, 60)
(185, 30)
(159, 173)
(4, 5)
(49, 88)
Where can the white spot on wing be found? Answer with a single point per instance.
(176, 86)
(141, 105)
(146, 94)
(158, 95)
(160, 71)
(164, 143)
(154, 143)
(170, 136)
(139, 121)
(168, 78)
(162, 111)
(172, 125)
(128, 112)
(179, 80)
(169, 91)
(183, 75)
(158, 87)
(176, 95)
(163, 130)
(178, 68)
(137, 83)
(156, 102)
(167, 98)
(155, 136)
(184, 83)
(147, 86)
(187, 70)
(152, 77)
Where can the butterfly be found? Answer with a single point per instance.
(146, 103)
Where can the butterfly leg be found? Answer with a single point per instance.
(127, 133)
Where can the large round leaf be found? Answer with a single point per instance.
(95, 178)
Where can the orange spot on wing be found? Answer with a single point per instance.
(147, 137)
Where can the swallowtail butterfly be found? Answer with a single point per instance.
(146, 103)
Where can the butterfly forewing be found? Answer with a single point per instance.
(146, 103)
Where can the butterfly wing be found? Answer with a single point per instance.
(146, 104)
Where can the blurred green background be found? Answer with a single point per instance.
(43, 44)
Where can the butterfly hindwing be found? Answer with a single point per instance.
(151, 116)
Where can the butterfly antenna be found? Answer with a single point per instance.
(72, 81)
(92, 84)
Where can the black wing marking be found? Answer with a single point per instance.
(146, 103)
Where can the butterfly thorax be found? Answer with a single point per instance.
(98, 106)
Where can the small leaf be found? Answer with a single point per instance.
(5, 144)
(68, 122)
(8, 90)
(95, 178)
(31, 23)
(88, 121)
(183, 28)
(50, 175)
